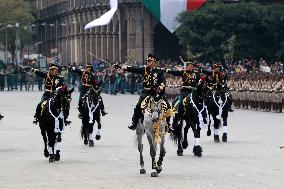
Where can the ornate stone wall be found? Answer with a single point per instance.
(117, 41)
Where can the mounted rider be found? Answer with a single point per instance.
(51, 80)
(88, 79)
(190, 78)
(217, 80)
(153, 83)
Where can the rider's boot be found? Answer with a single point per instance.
(169, 126)
(230, 105)
(103, 108)
(135, 119)
(37, 114)
(1, 116)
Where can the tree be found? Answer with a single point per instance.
(12, 12)
(257, 31)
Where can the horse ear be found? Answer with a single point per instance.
(71, 90)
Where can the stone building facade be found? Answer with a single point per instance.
(61, 24)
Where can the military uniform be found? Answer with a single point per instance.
(152, 79)
(51, 82)
(217, 80)
(190, 80)
(87, 79)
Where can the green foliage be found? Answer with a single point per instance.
(240, 30)
(12, 12)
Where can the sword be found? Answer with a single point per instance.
(98, 58)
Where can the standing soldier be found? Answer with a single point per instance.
(52, 81)
(87, 78)
(153, 82)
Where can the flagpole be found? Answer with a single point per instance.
(142, 30)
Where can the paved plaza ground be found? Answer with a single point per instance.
(250, 159)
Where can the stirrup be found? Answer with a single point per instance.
(80, 116)
(35, 121)
(103, 113)
(132, 127)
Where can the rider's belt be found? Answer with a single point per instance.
(86, 85)
(47, 90)
(147, 89)
(187, 87)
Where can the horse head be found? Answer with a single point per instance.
(63, 97)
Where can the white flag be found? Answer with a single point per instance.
(105, 18)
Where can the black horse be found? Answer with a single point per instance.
(54, 114)
(91, 113)
(218, 106)
(195, 116)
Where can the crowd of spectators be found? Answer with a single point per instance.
(12, 77)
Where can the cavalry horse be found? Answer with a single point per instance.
(54, 114)
(90, 114)
(196, 117)
(154, 124)
(218, 106)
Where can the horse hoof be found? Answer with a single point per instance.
(216, 138)
(86, 142)
(142, 171)
(180, 152)
(224, 137)
(51, 159)
(91, 143)
(57, 156)
(154, 174)
(46, 154)
(184, 144)
(209, 133)
(159, 169)
(197, 151)
(98, 137)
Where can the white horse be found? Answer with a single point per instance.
(155, 113)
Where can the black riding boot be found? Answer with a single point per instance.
(1, 116)
(135, 119)
(230, 104)
(103, 108)
(37, 114)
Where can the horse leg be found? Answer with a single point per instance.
(51, 142)
(185, 131)
(45, 151)
(216, 129)
(197, 150)
(84, 132)
(90, 132)
(209, 128)
(162, 154)
(58, 147)
(153, 149)
(140, 133)
(179, 138)
(98, 134)
(225, 129)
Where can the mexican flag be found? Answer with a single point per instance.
(168, 10)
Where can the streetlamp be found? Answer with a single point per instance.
(6, 42)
